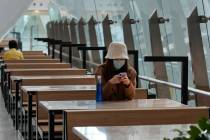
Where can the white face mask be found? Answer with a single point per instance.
(118, 64)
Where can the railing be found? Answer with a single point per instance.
(184, 77)
(176, 86)
(145, 78)
(152, 80)
(80, 60)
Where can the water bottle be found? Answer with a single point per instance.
(98, 89)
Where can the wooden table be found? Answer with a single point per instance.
(33, 61)
(11, 70)
(37, 65)
(6, 73)
(33, 90)
(39, 80)
(139, 132)
(28, 53)
(43, 80)
(42, 56)
(47, 69)
(14, 78)
(56, 107)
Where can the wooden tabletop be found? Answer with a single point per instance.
(33, 60)
(9, 64)
(28, 59)
(141, 132)
(13, 78)
(27, 89)
(11, 70)
(92, 104)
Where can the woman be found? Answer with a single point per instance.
(118, 77)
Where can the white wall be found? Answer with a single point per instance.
(10, 11)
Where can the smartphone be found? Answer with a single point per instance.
(122, 74)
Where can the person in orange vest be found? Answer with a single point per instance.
(13, 53)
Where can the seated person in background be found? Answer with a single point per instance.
(117, 76)
(13, 53)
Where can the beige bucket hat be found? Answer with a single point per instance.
(117, 50)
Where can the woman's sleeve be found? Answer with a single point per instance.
(130, 89)
(108, 90)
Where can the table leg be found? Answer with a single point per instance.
(30, 116)
(51, 123)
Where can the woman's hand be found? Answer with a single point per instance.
(125, 81)
(115, 80)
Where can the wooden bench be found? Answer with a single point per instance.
(36, 57)
(125, 117)
(45, 72)
(33, 61)
(28, 53)
(32, 52)
(37, 66)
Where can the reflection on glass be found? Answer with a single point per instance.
(138, 132)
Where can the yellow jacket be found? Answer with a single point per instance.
(13, 54)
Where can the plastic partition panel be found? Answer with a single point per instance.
(160, 71)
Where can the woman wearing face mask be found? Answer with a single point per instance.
(118, 77)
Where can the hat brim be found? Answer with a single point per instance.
(108, 57)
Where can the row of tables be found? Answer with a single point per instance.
(53, 100)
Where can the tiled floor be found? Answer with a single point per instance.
(7, 131)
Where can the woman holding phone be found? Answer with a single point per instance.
(117, 76)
